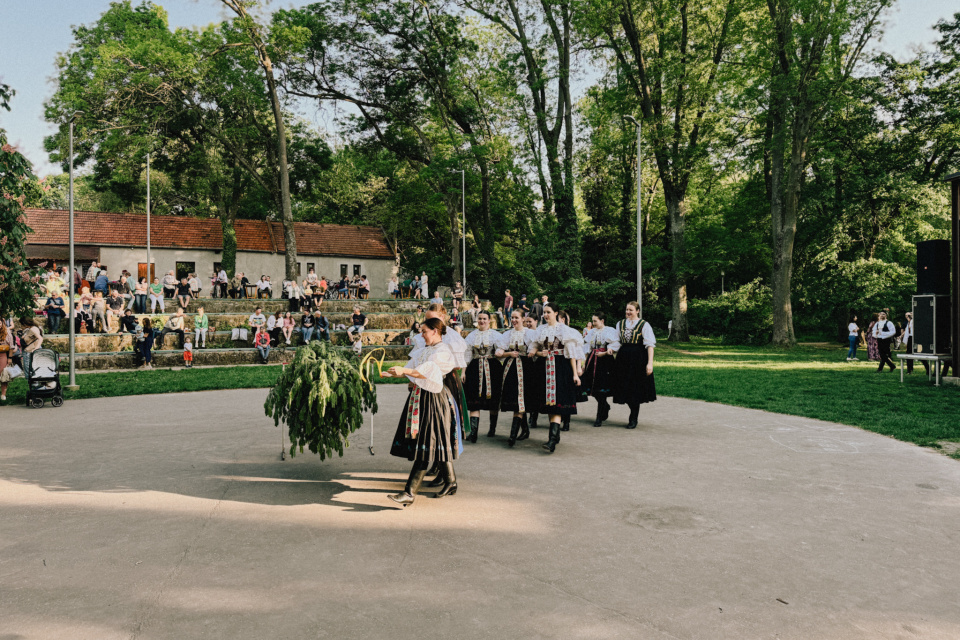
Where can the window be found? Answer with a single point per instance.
(299, 265)
(343, 270)
(217, 266)
(184, 269)
(356, 269)
(310, 266)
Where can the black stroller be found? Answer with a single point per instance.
(43, 378)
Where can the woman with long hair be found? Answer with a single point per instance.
(633, 368)
(430, 416)
(603, 342)
(484, 377)
(559, 347)
(518, 375)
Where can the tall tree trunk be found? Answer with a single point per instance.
(677, 213)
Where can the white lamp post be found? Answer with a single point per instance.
(73, 337)
(639, 221)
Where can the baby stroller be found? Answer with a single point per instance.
(43, 379)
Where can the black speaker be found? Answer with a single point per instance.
(933, 267)
(931, 324)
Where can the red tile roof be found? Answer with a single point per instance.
(51, 227)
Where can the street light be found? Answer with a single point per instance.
(72, 323)
(639, 220)
(149, 270)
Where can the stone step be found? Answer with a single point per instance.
(247, 306)
(202, 357)
(94, 343)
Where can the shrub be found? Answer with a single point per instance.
(741, 316)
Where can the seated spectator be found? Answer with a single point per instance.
(261, 340)
(257, 320)
(98, 311)
(289, 324)
(114, 308)
(145, 339)
(275, 326)
(236, 287)
(307, 300)
(319, 292)
(364, 290)
(312, 278)
(416, 288)
(359, 322)
(55, 312)
(455, 321)
(457, 294)
(419, 315)
(393, 287)
(244, 283)
(156, 295)
(343, 288)
(322, 326)
(140, 296)
(102, 284)
(414, 332)
(125, 291)
(184, 295)
(128, 323)
(195, 287)
(263, 288)
(82, 321)
(169, 285)
(214, 289)
(324, 284)
(307, 325)
(357, 341)
(86, 299)
(175, 324)
(436, 299)
(201, 322)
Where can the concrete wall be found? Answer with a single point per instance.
(253, 264)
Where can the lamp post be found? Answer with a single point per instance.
(149, 270)
(72, 321)
(722, 274)
(463, 229)
(639, 221)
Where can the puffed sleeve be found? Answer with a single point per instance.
(503, 340)
(533, 344)
(649, 340)
(433, 370)
(418, 342)
(612, 337)
(530, 339)
(572, 343)
(458, 346)
(470, 342)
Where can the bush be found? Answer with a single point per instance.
(741, 316)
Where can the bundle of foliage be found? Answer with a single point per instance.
(741, 316)
(321, 397)
(19, 285)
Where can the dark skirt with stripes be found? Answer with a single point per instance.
(438, 437)
(566, 390)
(597, 378)
(475, 386)
(632, 385)
(510, 392)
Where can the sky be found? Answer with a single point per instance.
(35, 32)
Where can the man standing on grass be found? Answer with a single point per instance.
(883, 331)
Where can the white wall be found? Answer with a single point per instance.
(253, 264)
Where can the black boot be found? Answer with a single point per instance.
(603, 411)
(413, 485)
(551, 444)
(493, 425)
(449, 481)
(437, 468)
(634, 415)
(533, 419)
(524, 429)
(474, 428)
(514, 429)
(565, 425)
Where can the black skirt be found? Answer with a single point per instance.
(566, 390)
(631, 384)
(436, 439)
(597, 378)
(475, 385)
(510, 392)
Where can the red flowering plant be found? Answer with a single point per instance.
(19, 283)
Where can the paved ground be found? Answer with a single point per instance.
(172, 516)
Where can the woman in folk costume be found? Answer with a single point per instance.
(633, 368)
(559, 347)
(484, 375)
(429, 419)
(603, 342)
(535, 396)
(453, 380)
(518, 374)
(564, 318)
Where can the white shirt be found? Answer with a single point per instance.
(884, 329)
(458, 346)
(423, 286)
(484, 339)
(908, 332)
(514, 340)
(263, 284)
(271, 322)
(571, 339)
(853, 329)
(606, 338)
(195, 284)
(649, 340)
(433, 363)
(222, 276)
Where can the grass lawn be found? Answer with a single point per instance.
(809, 381)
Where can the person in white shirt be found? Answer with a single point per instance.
(263, 288)
(633, 382)
(908, 339)
(853, 331)
(222, 281)
(436, 299)
(560, 347)
(484, 377)
(603, 342)
(519, 376)
(195, 285)
(883, 331)
(424, 286)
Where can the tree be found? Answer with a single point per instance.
(19, 284)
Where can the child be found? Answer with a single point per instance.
(357, 343)
(188, 353)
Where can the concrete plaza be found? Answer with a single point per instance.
(172, 516)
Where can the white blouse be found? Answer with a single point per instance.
(649, 340)
(571, 339)
(433, 363)
(484, 339)
(514, 340)
(607, 338)
(452, 339)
